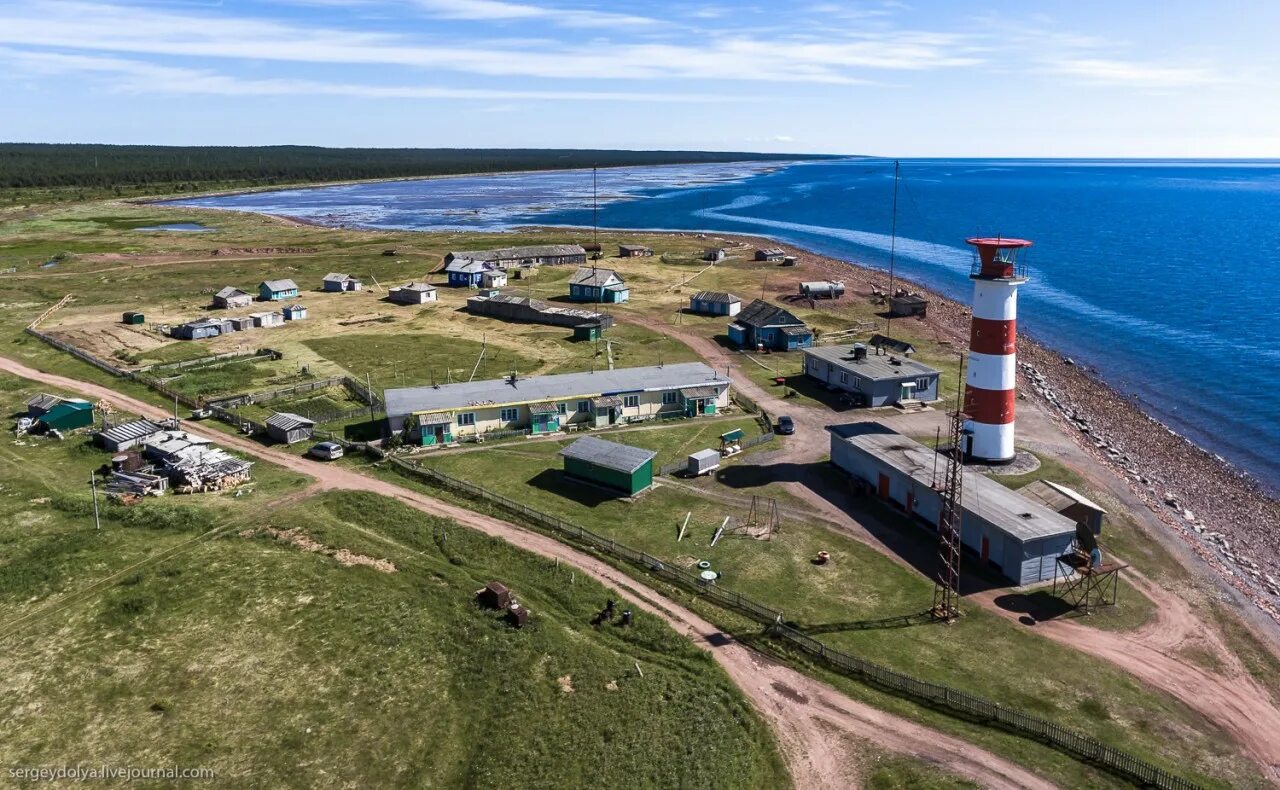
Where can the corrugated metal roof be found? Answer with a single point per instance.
(423, 287)
(875, 367)
(337, 277)
(610, 455)
(45, 401)
(715, 297)
(467, 266)
(515, 253)
(410, 400)
(1057, 496)
(699, 392)
(130, 431)
(1015, 515)
(596, 277)
(230, 291)
(287, 421)
(280, 285)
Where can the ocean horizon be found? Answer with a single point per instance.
(1155, 273)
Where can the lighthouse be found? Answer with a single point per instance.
(991, 383)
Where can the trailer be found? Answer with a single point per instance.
(703, 462)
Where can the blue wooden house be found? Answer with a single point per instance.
(763, 324)
(598, 285)
(277, 290)
(466, 273)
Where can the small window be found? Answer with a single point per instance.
(562, 409)
(922, 385)
(669, 398)
(467, 418)
(631, 401)
(844, 377)
(584, 405)
(510, 415)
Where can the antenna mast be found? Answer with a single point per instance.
(946, 590)
(893, 247)
(595, 216)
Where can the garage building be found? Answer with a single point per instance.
(620, 467)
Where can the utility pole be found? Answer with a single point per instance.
(368, 386)
(93, 484)
(893, 248)
(595, 221)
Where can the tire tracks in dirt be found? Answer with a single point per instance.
(801, 711)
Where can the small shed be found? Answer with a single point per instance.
(42, 403)
(587, 331)
(133, 318)
(1067, 501)
(412, 293)
(493, 279)
(124, 436)
(267, 319)
(202, 328)
(295, 312)
(494, 595)
(277, 290)
(771, 254)
(703, 462)
(908, 305)
(618, 467)
(240, 323)
(231, 297)
(715, 303)
(336, 282)
(289, 428)
(68, 415)
(790, 260)
(634, 251)
(714, 254)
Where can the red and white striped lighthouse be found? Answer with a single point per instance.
(990, 386)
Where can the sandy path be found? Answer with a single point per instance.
(1232, 699)
(801, 711)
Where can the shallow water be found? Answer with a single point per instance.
(177, 227)
(1163, 275)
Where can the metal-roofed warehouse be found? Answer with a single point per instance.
(1017, 535)
(620, 467)
(535, 255)
(286, 427)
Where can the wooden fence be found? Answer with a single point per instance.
(754, 441)
(935, 695)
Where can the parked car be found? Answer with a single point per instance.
(326, 451)
(786, 426)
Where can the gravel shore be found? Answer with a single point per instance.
(1217, 509)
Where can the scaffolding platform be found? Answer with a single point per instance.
(1085, 586)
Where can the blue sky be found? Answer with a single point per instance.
(927, 78)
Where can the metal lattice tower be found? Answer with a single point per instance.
(946, 590)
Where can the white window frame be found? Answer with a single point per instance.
(922, 384)
(630, 401)
(844, 377)
(562, 409)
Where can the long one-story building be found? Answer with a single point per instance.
(545, 404)
(534, 255)
(124, 436)
(277, 290)
(1019, 536)
(879, 379)
(715, 303)
(202, 328)
(619, 467)
(536, 311)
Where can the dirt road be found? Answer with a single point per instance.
(803, 713)
(1231, 699)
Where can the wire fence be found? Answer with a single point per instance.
(935, 695)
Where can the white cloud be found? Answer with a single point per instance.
(140, 77)
(139, 31)
(1132, 74)
(500, 10)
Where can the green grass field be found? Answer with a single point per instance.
(275, 666)
(860, 584)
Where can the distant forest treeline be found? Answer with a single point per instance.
(181, 168)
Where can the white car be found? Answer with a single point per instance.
(326, 451)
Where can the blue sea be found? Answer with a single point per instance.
(1162, 275)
